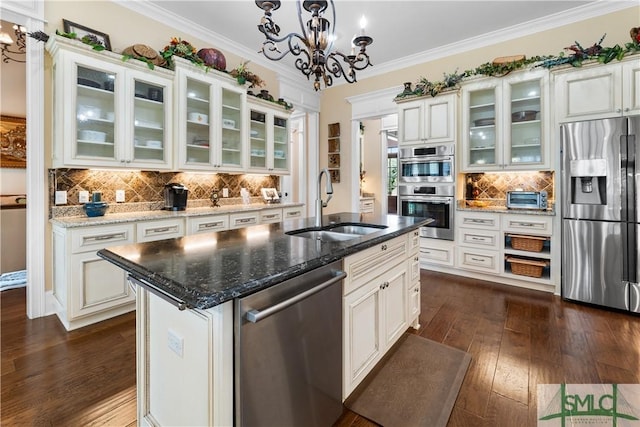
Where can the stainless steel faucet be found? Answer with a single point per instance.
(319, 203)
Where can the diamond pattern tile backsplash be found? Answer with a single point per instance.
(141, 186)
(494, 186)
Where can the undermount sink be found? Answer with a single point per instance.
(337, 232)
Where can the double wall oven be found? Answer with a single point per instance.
(427, 187)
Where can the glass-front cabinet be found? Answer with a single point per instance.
(268, 138)
(211, 116)
(505, 122)
(107, 114)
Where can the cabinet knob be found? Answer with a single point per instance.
(627, 109)
(618, 110)
(383, 247)
(416, 259)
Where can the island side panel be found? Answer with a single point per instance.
(185, 363)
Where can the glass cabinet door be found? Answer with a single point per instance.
(148, 122)
(525, 124)
(231, 149)
(482, 127)
(197, 119)
(95, 114)
(280, 144)
(258, 140)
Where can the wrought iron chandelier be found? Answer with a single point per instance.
(21, 43)
(316, 55)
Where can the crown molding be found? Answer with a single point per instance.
(538, 25)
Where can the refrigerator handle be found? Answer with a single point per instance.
(632, 227)
(626, 184)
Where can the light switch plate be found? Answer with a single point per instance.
(119, 196)
(225, 192)
(83, 196)
(61, 197)
(175, 342)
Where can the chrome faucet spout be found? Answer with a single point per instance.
(329, 190)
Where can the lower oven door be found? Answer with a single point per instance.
(440, 209)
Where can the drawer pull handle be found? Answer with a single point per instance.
(525, 224)
(245, 220)
(384, 285)
(296, 213)
(477, 259)
(210, 225)
(161, 230)
(106, 237)
(271, 216)
(383, 247)
(477, 239)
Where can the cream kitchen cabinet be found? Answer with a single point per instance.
(211, 114)
(268, 138)
(87, 288)
(505, 123)
(109, 113)
(596, 91)
(478, 242)
(291, 212)
(376, 304)
(528, 247)
(207, 223)
(267, 216)
(150, 231)
(428, 120)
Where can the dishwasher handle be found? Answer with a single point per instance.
(255, 316)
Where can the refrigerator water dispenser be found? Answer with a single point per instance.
(588, 181)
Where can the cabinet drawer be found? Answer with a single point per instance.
(368, 264)
(270, 215)
(292, 212)
(96, 238)
(414, 241)
(435, 251)
(487, 239)
(478, 260)
(207, 224)
(150, 231)
(479, 220)
(245, 219)
(527, 224)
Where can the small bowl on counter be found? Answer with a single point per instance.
(477, 203)
(93, 209)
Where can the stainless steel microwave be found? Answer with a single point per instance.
(527, 200)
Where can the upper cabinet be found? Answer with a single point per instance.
(428, 120)
(505, 123)
(211, 112)
(108, 113)
(268, 138)
(598, 91)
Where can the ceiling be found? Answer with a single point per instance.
(401, 29)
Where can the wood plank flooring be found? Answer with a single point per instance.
(517, 339)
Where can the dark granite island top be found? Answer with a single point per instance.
(202, 271)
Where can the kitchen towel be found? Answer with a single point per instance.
(416, 385)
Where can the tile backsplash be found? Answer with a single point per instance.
(146, 187)
(494, 186)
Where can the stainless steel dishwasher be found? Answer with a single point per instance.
(288, 352)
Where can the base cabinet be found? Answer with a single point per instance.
(378, 305)
(185, 364)
(87, 288)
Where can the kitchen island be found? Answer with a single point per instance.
(186, 357)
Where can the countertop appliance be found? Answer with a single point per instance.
(527, 200)
(600, 206)
(175, 197)
(288, 352)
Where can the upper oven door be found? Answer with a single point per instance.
(427, 169)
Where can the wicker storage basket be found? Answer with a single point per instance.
(526, 267)
(527, 243)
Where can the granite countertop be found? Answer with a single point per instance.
(461, 206)
(206, 270)
(117, 218)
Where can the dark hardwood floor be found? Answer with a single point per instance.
(517, 339)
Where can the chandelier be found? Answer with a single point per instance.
(316, 55)
(21, 43)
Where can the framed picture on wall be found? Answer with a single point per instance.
(81, 31)
(13, 142)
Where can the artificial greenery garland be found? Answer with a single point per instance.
(579, 54)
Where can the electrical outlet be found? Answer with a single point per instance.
(175, 342)
(83, 196)
(225, 192)
(119, 196)
(61, 197)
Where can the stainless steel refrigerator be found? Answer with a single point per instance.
(600, 212)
